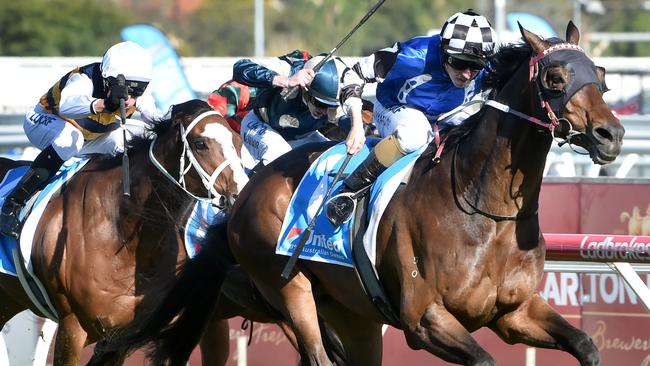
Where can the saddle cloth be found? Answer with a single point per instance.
(327, 243)
(202, 217)
(31, 214)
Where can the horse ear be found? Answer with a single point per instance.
(537, 43)
(600, 73)
(572, 33)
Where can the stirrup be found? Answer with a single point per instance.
(339, 209)
(9, 223)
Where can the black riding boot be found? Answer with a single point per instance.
(340, 208)
(46, 164)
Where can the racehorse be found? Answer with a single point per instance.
(458, 247)
(104, 258)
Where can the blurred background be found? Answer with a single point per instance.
(41, 40)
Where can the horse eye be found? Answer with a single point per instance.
(199, 144)
(557, 79)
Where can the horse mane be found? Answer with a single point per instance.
(179, 114)
(502, 64)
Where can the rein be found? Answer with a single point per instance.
(207, 179)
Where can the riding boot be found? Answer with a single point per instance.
(46, 164)
(340, 208)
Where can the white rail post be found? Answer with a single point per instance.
(634, 281)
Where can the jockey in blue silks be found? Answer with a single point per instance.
(278, 122)
(419, 80)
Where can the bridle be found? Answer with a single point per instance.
(207, 180)
(548, 100)
(552, 101)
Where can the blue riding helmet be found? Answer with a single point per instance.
(325, 85)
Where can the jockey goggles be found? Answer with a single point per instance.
(135, 88)
(464, 64)
(317, 103)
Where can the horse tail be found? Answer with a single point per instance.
(332, 343)
(190, 301)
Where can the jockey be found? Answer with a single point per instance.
(279, 124)
(78, 116)
(419, 80)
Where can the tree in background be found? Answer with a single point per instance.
(225, 27)
(59, 27)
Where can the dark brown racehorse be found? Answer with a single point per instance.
(458, 248)
(104, 258)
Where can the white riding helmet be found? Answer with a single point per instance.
(129, 59)
(468, 34)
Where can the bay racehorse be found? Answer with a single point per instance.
(104, 258)
(459, 247)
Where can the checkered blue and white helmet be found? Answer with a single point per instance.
(469, 34)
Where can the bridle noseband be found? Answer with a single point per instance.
(207, 180)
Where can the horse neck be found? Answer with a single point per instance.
(503, 159)
(155, 199)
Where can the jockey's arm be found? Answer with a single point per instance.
(146, 105)
(375, 67)
(351, 104)
(77, 97)
(260, 74)
(270, 73)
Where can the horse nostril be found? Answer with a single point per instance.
(604, 133)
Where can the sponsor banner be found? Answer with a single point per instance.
(598, 248)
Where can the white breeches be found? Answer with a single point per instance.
(409, 125)
(265, 144)
(44, 129)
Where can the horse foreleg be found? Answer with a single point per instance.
(537, 324)
(300, 308)
(355, 340)
(215, 342)
(70, 340)
(440, 333)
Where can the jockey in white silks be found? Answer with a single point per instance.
(79, 116)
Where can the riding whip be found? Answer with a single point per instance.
(126, 179)
(290, 92)
(288, 268)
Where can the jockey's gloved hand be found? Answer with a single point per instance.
(115, 93)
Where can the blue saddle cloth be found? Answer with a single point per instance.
(327, 243)
(202, 217)
(11, 179)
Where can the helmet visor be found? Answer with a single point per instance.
(462, 62)
(136, 88)
(318, 103)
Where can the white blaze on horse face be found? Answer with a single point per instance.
(223, 137)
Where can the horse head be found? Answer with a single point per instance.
(571, 90)
(210, 166)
